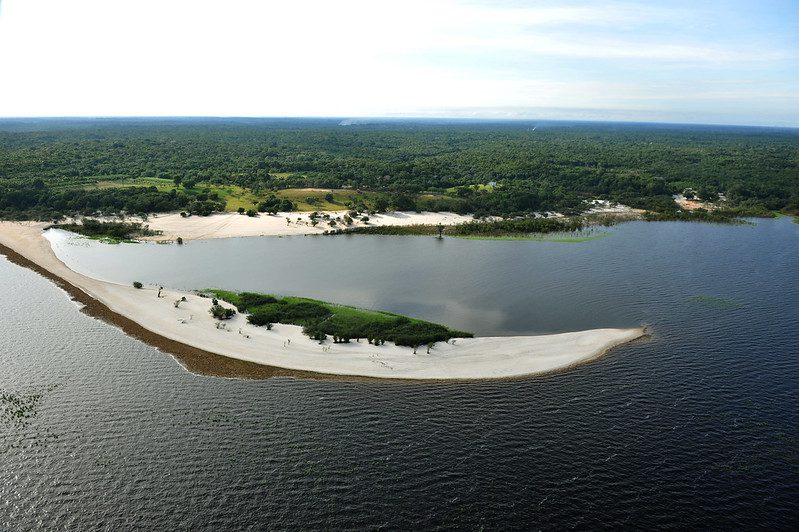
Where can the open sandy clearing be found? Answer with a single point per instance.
(285, 223)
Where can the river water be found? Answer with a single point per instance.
(696, 427)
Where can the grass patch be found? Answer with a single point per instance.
(716, 302)
(285, 175)
(314, 199)
(479, 188)
(158, 182)
(343, 323)
(233, 196)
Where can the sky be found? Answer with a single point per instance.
(708, 61)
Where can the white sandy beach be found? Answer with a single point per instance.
(226, 225)
(229, 225)
(285, 346)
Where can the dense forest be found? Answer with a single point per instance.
(49, 167)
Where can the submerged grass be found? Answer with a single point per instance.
(716, 302)
(112, 240)
(551, 237)
(19, 408)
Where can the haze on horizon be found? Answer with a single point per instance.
(722, 62)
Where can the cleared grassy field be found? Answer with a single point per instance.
(234, 196)
(326, 199)
(162, 184)
(480, 187)
(305, 199)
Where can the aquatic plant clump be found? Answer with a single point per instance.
(716, 302)
(18, 409)
(575, 237)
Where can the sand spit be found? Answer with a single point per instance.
(187, 328)
(226, 225)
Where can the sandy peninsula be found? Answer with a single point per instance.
(189, 324)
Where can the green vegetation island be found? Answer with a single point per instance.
(341, 323)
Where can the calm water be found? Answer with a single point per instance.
(697, 427)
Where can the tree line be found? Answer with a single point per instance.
(536, 166)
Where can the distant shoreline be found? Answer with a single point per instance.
(172, 226)
(242, 350)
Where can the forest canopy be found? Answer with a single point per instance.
(50, 167)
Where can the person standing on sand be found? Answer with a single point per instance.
(159, 291)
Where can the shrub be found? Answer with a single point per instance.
(248, 300)
(305, 310)
(205, 207)
(264, 316)
(314, 331)
(221, 313)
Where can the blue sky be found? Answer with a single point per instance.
(734, 62)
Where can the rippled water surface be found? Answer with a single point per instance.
(697, 427)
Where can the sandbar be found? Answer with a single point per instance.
(190, 325)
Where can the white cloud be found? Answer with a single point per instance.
(349, 57)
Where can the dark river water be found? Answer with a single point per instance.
(696, 427)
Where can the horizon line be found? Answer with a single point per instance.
(397, 118)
